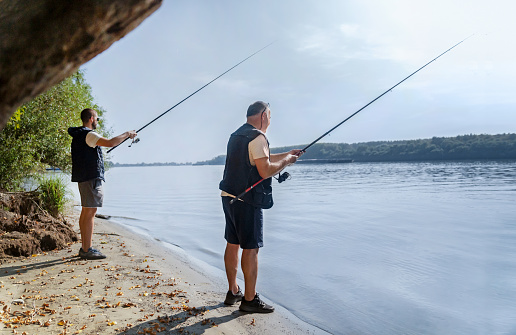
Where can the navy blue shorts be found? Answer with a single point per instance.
(244, 224)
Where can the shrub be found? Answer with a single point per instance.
(53, 194)
(36, 135)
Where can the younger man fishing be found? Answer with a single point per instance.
(88, 172)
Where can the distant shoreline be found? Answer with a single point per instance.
(458, 148)
(327, 161)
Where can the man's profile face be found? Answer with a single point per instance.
(267, 118)
(95, 122)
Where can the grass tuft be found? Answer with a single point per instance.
(53, 194)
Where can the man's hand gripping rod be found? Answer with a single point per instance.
(280, 180)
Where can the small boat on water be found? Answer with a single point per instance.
(323, 161)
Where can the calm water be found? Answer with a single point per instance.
(361, 248)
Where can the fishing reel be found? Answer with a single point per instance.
(283, 176)
(135, 140)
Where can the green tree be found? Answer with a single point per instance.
(36, 135)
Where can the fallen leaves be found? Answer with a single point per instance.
(205, 322)
(60, 298)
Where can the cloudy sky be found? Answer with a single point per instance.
(330, 58)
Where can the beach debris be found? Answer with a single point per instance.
(102, 216)
(18, 302)
(209, 322)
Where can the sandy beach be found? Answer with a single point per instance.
(143, 287)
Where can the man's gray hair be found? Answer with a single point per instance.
(256, 108)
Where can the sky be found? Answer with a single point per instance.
(329, 59)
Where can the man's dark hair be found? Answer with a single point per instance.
(257, 107)
(86, 114)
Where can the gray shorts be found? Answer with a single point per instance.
(91, 193)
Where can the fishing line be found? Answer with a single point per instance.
(180, 102)
(349, 117)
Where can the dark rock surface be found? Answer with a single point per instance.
(44, 41)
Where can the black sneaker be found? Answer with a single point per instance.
(255, 306)
(231, 298)
(91, 254)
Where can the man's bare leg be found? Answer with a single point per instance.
(231, 264)
(86, 222)
(250, 270)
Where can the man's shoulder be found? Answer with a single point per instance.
(92, 137)
(76, 131)
(260, 139)
(93, 134)
(259, 147)
(247, 130)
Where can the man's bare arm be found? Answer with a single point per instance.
(104, 142)
(279, 157)
(268, 168)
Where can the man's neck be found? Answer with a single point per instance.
(256, 125)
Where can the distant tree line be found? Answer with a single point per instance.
(219, 160)
(464, 147)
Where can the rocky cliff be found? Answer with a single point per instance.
(44, 41)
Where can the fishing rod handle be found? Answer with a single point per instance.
(238, 197)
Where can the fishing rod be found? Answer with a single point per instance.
(180, 102)
(285, 175)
